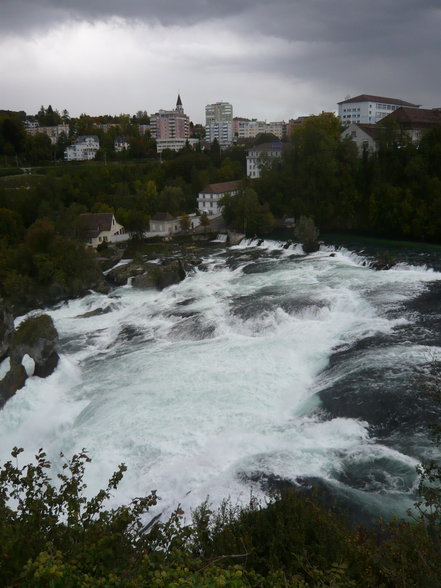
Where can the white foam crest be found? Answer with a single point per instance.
(4, 367)
(346, 255)
(422, 271)
(120, 263)
(41, 412)
(268, 245)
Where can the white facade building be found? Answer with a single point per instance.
(209, 197)
(164, 224)
(84, 149)
(368, 109)
(363, 135)
(121, 144)
(262, 156)
(219, 123)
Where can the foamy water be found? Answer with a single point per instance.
(213, 384)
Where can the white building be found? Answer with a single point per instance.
(219, 123)
(164, 224)
(209, 197)
(363, 135)
(262, 156)
(368, 109)
(121, 144)
(175, 144)
(83, 149)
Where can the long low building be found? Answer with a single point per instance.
(165, 224)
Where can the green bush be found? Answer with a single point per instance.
(52, 535)
(10, 171)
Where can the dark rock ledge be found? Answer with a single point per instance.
(36, 337)
(147, 274)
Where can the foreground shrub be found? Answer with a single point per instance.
(51, 535)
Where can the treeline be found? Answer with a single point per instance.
(20, 148)
(52, 535)
(395, 192)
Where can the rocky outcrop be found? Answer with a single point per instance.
(119, 276)
(145, 281)
(307, 234)
(13, 381)
(170, 273)
(384, 261)
(235, 238)
(159, 275)
(38, 338)
(6, 328)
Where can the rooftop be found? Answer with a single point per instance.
(372, 98)
(95, 222)
(163, 216)
(414, 117)
(221, 188)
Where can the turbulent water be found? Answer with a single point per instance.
(263, 367)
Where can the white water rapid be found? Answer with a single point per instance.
(212, 385)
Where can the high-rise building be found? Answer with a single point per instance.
(219, 123)
(170, 128)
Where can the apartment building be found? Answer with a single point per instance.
(368, 108)
(219, 123)
(170, 128)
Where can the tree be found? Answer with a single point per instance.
(12, 135)
(244, 212)
(38, 148)
(185, 222)
(48, 117)
(171, 199)
(141, 117)
(11, 227)
(265, 138)
(205, 221)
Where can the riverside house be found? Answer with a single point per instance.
(102, 227)
(209, 197)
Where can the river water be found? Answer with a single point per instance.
(263, 367)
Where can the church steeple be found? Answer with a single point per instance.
(179, 107)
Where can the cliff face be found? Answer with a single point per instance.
(36, 337)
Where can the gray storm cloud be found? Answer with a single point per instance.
(387, 47)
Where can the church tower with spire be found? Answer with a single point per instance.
(179, 107)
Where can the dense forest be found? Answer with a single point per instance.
(395, 192)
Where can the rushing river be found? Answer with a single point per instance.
(264, 366)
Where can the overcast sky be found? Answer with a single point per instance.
(271, 59)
